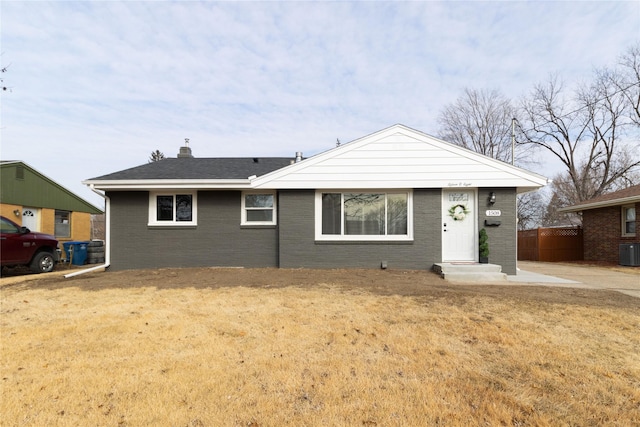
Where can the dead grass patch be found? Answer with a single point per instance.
(78, 353)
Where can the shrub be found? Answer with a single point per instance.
(483, 243)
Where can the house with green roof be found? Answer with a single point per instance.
(33, 200)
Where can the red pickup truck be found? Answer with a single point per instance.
(21, 246)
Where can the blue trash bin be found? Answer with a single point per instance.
(79, 252)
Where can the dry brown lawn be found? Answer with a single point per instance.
(266, 347)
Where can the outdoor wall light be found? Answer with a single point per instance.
(16, 212)
(492, 198)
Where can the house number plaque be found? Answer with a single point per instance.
(494, 212)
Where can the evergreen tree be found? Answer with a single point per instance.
(156, 156)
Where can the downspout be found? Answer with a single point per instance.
(107, 242)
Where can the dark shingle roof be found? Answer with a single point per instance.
(629, 194)
(616, 195)
(200, 168)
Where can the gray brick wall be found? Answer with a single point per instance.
(298, 247)
(218, 240)
(502, 239)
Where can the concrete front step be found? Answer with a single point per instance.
(470, 272)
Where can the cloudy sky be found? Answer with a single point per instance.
(96, 86)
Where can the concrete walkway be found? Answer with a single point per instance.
(621, 279)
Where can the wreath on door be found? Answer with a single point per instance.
(458, 212)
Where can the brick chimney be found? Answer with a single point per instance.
(186, 150)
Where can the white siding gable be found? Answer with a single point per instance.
(399, 157)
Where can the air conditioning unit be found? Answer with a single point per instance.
(630, 254)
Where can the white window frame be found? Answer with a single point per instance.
(153, 221)
(624, 220)
(243, 209)
(366, 238)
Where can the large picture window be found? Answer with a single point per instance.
(358, 215)
(172, 209)
(258, 209)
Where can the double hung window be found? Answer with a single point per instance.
(258, 209)
(629, 221)
(172, 209)
(356, 215)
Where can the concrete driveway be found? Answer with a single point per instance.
(622, 279)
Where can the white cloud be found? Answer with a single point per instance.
(98, 85)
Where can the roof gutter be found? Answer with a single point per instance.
(107, 242)
(163, 184)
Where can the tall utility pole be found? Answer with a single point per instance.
(513, 141)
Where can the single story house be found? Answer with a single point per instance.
(397, 198)
(609, 221)
(31, 199)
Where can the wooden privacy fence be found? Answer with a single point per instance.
(551, 244)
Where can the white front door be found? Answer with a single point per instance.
(459, 219)
(30, 219)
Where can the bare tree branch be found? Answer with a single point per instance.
(480, 120)
(584, 132)
(626, 79)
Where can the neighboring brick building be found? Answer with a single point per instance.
(608, 221)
